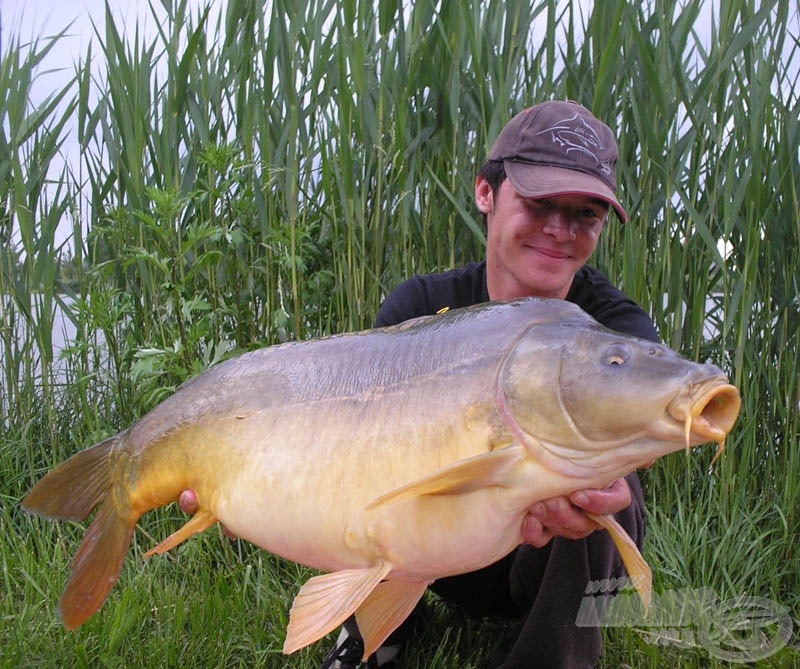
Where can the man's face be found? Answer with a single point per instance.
(535, 246)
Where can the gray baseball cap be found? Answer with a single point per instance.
(559, 148)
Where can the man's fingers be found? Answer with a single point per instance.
(606, 501)
(565, 517)
(534, 533)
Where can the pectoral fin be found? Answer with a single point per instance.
(326, 601)
(638, 569)
(199, 522)
(461, 477)
(388, 605)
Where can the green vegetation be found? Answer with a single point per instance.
(275, 181)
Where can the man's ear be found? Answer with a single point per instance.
(484, 196)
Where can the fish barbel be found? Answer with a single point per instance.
(390, 457)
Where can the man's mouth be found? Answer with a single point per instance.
(550, 253)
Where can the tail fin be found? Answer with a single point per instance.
(75, 487)
(70, 492)
(96, 565)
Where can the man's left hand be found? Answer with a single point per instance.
(564, 517)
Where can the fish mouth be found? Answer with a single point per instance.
(708, 412)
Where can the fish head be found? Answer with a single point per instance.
(589, 401)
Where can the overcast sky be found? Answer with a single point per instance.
(32, 19)
(41, 18)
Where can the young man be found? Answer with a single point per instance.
(544, 193)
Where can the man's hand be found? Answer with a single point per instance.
(563, 516)
(187, 501)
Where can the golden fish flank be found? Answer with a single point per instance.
(390, 457)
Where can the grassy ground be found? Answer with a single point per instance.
(275, 183)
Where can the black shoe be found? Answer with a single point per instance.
(349, 650)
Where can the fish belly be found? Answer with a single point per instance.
(436, 536)
(302, 493)
(423, 539)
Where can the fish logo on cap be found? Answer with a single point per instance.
(575, 134)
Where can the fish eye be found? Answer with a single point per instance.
(617, 354)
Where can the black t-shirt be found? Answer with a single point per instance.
(427, 294)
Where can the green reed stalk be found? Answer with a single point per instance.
(32, 207)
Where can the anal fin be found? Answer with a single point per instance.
(390, 604)
(326, 601)
(638, 570)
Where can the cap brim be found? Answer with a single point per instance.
(546, 181)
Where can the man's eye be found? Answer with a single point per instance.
(591, 215)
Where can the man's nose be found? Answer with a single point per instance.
(559, 224)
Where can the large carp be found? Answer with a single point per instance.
(390, 457)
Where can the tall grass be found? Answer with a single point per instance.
(271, 174)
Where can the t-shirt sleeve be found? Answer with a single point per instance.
(629, 318)
(595, 294)
(408, 300)
(428, 294)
